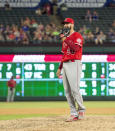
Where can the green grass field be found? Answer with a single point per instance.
(56, 104)
(49, 105)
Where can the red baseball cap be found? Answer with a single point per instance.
(68, 20)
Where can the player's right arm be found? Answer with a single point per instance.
(59, 70)
(58, 73)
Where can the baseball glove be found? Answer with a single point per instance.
(65, 32)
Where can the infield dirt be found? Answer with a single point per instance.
(93, 120)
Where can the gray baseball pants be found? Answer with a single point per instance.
(10, 96)
(71, 82)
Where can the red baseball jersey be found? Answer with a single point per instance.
(72, 47)
(11, 83)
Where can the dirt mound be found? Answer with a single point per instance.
(57, 123)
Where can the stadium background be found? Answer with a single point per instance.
(36, 74)
(34, 61)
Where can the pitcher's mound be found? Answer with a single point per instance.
(57, 123)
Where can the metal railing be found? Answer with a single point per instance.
(71, 4)
(20, 3)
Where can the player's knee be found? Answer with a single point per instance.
(75, 92)
(68, 94)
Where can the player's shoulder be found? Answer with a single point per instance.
(77, 34)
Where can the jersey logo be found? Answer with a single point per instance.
(78, 41)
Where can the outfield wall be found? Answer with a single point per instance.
(36, 78)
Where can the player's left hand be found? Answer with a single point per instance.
(65, 32)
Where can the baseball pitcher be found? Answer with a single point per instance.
(71, 64)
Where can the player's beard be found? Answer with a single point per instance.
(70, 27)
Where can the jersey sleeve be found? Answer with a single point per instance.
(61, 65)
(78, 39)
(75, 43)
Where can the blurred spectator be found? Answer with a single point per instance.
(25, 39)
(25, 28)
(86, 29)
(27, 21)
(38, 12)
(55, 34)
(7, 6)
(11, 37)
(95, 16)
(62, 6)
(53, 26)
(97, 31)
(17, 34)
(48, 29)
(113, 24)
(47, 9)
(41, 26)
(84, 37)
(21, 34)
(55, 7)
(34, 24)
(1, 36)
(111, 35)
(47, 37)
(2, 28)
(22, 22)
(7, 32)
(88, 16)
(100, 38)
(81, 30)
(49, 32)
(38, 35)
(90, 36)
(86, 33)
